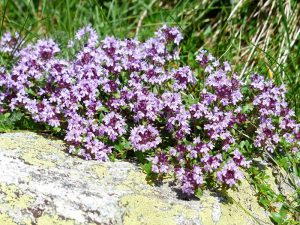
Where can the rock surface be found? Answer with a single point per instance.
(41, 184)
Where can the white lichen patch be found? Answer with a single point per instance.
(53, 220)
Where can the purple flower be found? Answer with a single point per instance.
(160, 164)
(211, 163)
(239, 159)
(9, 42)
(144, 138)
(171, 101)
(169, 34)
(182, 77)
(190, 179)
(201, 147)
(155, 75)
(113, 125)
(142, 85)
(230, 174)
(146, 106)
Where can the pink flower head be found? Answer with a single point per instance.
(144, 138)
(230, 174)
(239, 159)
(113, 125)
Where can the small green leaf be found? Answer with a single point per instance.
(264, 201)
(199, 193)
(6, 115)
(276, 217)
(247, 108)
(283, 211)
(57, 129)
(147, 168)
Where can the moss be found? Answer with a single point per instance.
(152, 211)
(53, 220)
(14, 197)
(5, 219)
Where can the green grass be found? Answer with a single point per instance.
(255, 36)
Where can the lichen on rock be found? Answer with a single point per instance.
(44, 185)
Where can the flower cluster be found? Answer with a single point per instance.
(160, 163)
(144, 137)
(275, 119)
(113, 125)
(190, 179)
(229, 174)
(111, 89)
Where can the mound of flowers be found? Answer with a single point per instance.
(105, 95)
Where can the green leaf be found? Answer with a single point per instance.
(147, 168)
(199, 193)
(141, 156)
(284, 211)
(57, 129)
(247, 108)
(276, 217)
(6, 115)
(264, 201)
(16, 116)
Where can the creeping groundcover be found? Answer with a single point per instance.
(200, 123)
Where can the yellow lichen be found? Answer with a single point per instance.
(143, 207)
(36, 150)
(27, 221)
(271, 181)
(152, 211)
(230, 213)
(136, 177)
(247, 203)
(243, 210)
(238, 211)
(100, 170)
(5, 219)
(14, 197)
(135, 182)
(33, 158)
(53, 220)
(206, 213)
